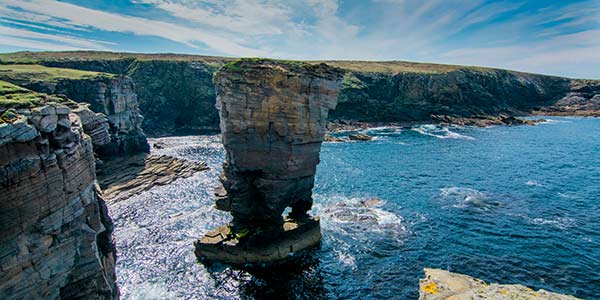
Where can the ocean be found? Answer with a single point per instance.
(503, 204)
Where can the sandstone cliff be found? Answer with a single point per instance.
(55, 232)
(112, 98)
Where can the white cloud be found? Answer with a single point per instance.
(504, 34)
(33, 44)
(63, 39)
(73, 15)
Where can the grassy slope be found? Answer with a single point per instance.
(22, 73)
(27, 57)
(12, 96)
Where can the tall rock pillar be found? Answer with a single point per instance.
(273, 118)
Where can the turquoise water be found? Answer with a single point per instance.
(504, 204)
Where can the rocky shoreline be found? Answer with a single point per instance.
(124, 177)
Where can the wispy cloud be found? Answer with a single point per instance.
(78, 16)
(537, 36)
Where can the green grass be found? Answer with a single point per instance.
(28, 57)
(13, 96)
(394, 67)
(237, 65)
(21, 74)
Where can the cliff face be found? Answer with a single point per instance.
(176, 94)
(55, 232)
(115, 98)
(379, 97)
(273, 118)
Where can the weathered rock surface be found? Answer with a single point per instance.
(483, 121)
(269, 247)
(583, 99)
(360, 137)
(55, 232)
(441, 284)
(114, 102)
(273, 118)
(121, 178)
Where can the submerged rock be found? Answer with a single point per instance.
(122, 178)
(360, 137)
(441, 284)
(273, 119)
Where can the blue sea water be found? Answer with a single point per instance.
(504, 204)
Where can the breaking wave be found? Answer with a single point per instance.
(441, 132)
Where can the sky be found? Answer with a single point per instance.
(543, 36)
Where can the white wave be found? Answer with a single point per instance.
(553, 121)
(148, 291)
(346, 258)
(461, 197)
(441, 132)
(532, 183)
(559, 222)
(349, 214)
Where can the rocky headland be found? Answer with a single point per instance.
(55, 240)
(273, 121)
(112, 99)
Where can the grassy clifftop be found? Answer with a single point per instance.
(12, 96)
(217, 61)
(22, 74)
(27, 57)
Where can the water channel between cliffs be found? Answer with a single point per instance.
(505, 204)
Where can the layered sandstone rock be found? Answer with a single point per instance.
(116, 99)
(112, 99)
(273, 118)
(440, 284)
(55, 232)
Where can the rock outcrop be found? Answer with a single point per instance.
(122, 178)
(112, 99)
(116, 99)
(441, 284)
(273, 118)
(55, 232)
(583, 99)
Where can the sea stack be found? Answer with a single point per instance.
(273, 118)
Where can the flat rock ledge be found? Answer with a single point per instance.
(440, 284)
(258, 248)
(124, 177)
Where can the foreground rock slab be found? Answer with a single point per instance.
(124, 177)
(441, 284)
(273, 121)
(257, 248)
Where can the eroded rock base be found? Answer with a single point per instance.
(259, 247)
(441, 284)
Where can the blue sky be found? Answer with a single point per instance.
(551, 37)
